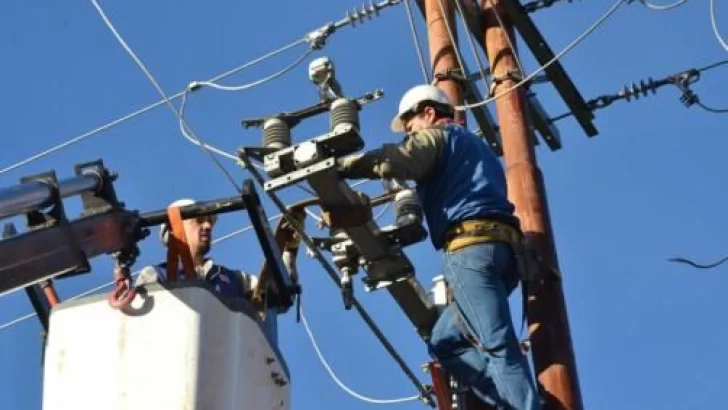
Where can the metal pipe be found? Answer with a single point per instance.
(218, 206)
(553, 354)
(33, 196)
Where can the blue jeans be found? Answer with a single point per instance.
(481, 277)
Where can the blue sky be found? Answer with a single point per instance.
(650, 186)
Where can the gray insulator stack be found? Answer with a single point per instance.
(344, 111)
(407, 207)
(276, 134)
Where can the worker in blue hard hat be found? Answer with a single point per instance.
(462, 188)
(198, 232)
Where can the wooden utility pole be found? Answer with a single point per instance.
(442, 50)
(552, 349)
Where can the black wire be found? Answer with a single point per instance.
(561, 117)
(713, 110)
(697, 265)
(712, 66)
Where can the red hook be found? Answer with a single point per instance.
(123, 292)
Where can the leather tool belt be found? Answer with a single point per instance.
(474, 231)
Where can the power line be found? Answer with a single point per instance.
(416, 40)
(697, 265)
(660, 7)
(143, 110)
(682, 81)
(316, 38)
(243, 87)
(159, 89)
(714, 23)
(338, 381)
(476, 55)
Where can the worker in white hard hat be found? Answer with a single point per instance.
(462, 187)
(198, 232)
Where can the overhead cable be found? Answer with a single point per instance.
(476, 55)
(556, 58)
(196, 84)
(338, 381)
(660, 7)
(317, 37)
(216, 150)
(416, 40)
(697, 265)
(161, 92)
(714, 23)
(634, 91)
(143, 110)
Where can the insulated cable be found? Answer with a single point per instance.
(143, 110)
(416, 40)
(681, 80)
(338, 381)
(697, 265)
(478, 61)
(195, 84)
(161, 92)
(714, 24)
(181, 122)
(316, 38)
(549, 63)
(660, 7)
(216, 150)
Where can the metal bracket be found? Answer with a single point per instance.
(285, 288)
(543, 54)
(379, 250)
(56, 217)
(104, 198)
(295, 117)
(344, 140)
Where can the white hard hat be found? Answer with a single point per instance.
(164, 228)
(414, 96)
